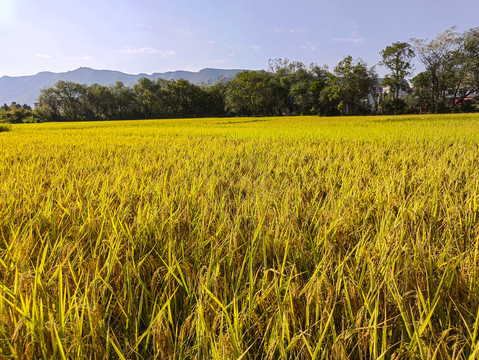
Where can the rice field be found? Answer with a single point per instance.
(241, 238)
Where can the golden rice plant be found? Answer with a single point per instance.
(310, 238)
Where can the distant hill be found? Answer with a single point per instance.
(25, 89)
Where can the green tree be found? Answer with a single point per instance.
(100, 101)
(66, 100)
(250, 93)
(124, 101)
(397, 58)
(464, 68)
(352, 83)
(423, 92)
(50, 104)
(72, 98)
(438, 57)
(16, 113)
(184, 99)
(145, 92)
(298, 87)
(284, 73)
(452, 63)
(306, 87)
(213, 101)
(389, 104)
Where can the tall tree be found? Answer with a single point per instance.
(397, 58)
(352, 83)
(124, 99)
(50, 104)
(306, 87)
(298, 87)
(284, 72)
(72, 99)
(464, 67)
(214, 98)
(100, 101)
(145, 92)
(422, 91)
(184, 98)
(250, 93)
(437, 57)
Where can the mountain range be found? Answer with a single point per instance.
(25, 89)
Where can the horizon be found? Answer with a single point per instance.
(126, 73)
(143, 73)
(149, 37)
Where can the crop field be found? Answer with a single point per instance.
(251, 238)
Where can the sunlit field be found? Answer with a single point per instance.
(251, 238)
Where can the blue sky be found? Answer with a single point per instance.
(146, 36)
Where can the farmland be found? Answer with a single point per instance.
(223, 238)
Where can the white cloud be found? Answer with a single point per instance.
(139, 51)
(218, 61)
(242, 47)
(309, 46)
(291, 31)
(149, 27)
(146, 51)
(43, 56)
(353, 35)
(297, 31)
(168, 52)
(84, 58)
(351, 39)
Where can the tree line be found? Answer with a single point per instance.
(16, 113)
(449, 83)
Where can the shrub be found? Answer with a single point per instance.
(5, 127)
(32, 119)
(391, 105)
